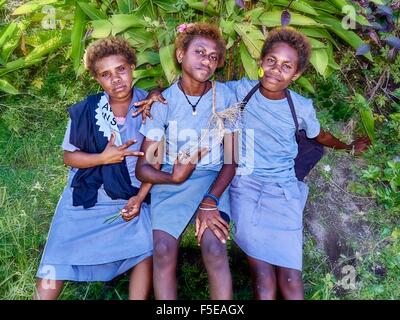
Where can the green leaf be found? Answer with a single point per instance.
(167, 5)
(49, 46)
(92, 12)
(7, 87)
(350, 37)
(367, 117)
(121, 22)
(77, 44)
(318, 33)
(167, 58)
(31, 6)
(2, 2)
(317, 44)
(323, 6)
(200, 6)
(273, 19)
(230, 7)
(306, 84)
(249, 64)
(156, 71)
(140, 38)
(101, 28)
(9, 40)
(18, 64)
(149, 57)
(300, 6)
(125, 6)
(252, 38)
(339, 3)
(319, 60)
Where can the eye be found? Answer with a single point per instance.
(270, 61)
(200, 52)
(105, 75)
(214, 58)
(286, 67)
(121, 68)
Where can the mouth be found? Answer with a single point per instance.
(207, 70)
(119, 88)
(272, 79)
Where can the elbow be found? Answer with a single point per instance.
(67, 158)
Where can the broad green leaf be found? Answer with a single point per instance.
(331, 59)
(339, 3)
(273, 19)
(2, 2)
(167, 5)
(140, 38)
(92, 12)
(319, 60)
(349, 36)
(18, 64)
(7, 87)
(230, 7)
(200, 6)
(317, 44)
(49, 46)
(150, 83)
(151, 72)
(101, 28)
(227, 26)
(9, 40)
(31, 6)
(167, 58)
(77, 44)
(378, 2)
(252, 38)
(366, 115)
(254, 15)
(149, 57)
(319, 33)
(249, 64)
(300, 6)
(125, 6)
(121, 22)
(306, 84)
(323, 6)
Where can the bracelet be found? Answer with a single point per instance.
(210, 195)
(208, 209)
(207, 204)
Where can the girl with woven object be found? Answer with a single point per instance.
(183, 191)
(101, 146)
(267, 201)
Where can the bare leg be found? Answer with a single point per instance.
(264, 279)
(216, 262)
(290, 283)
(47, 289)
(141, 279)
(165, 255)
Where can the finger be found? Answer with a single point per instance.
(127, 144)
(133, 154)
(197, 226)
(161, 99)
(141, 102)
(203, 228)
(224, 228)
(222, 221)
(112, 139)
(218, 233)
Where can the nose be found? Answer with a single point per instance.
(116, 79)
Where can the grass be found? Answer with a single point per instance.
(32, 177)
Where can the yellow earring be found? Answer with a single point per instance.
(260, 72)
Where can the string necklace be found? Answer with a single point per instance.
(194, 111)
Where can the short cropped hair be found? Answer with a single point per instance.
(107, 47)
(293, 38)
(209, 31)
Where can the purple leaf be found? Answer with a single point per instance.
(363, 49)
(385, 10)
(240, 3)
(285, 18)
(374, 36)
(393, 41)
(376, 26)
(392, 54)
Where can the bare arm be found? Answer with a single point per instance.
(327, 139)
(111, 154)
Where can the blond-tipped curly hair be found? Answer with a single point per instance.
(209, 31)
(107, 47)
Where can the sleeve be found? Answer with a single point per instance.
(232, 84)
(310, 122)
(154, 129)
(66, 145)
(230, 100)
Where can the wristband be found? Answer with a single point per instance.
(210, 195)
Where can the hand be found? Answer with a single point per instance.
(132, 208)
(183, 168)
(114, 154)
(212, 220)
(144, 106)
(360, 145)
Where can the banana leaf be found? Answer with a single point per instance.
(31, 6)
(92, 12)
(167, 58)
(77, 33)
(252, 38)
(273, 19)
(7, 87)
(249, 64)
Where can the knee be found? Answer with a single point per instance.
(162, 250)
(290, 283)
(214, 252)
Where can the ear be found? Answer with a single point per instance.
(133, 67)
(179, 55)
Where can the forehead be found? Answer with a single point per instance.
(284, 52)
(110, 62)
(206, 43)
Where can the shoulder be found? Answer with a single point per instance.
(83, 105)
(242, 87)
(302, 104)
(171, 91)
(140, 93)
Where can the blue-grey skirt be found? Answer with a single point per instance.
(82, 247)
(268, 219)
(174, 206)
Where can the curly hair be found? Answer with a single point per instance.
(293, 38)
(209, 31)
(107, 47)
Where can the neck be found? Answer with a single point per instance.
(120, 106)
(272, 95)
(193, 87)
